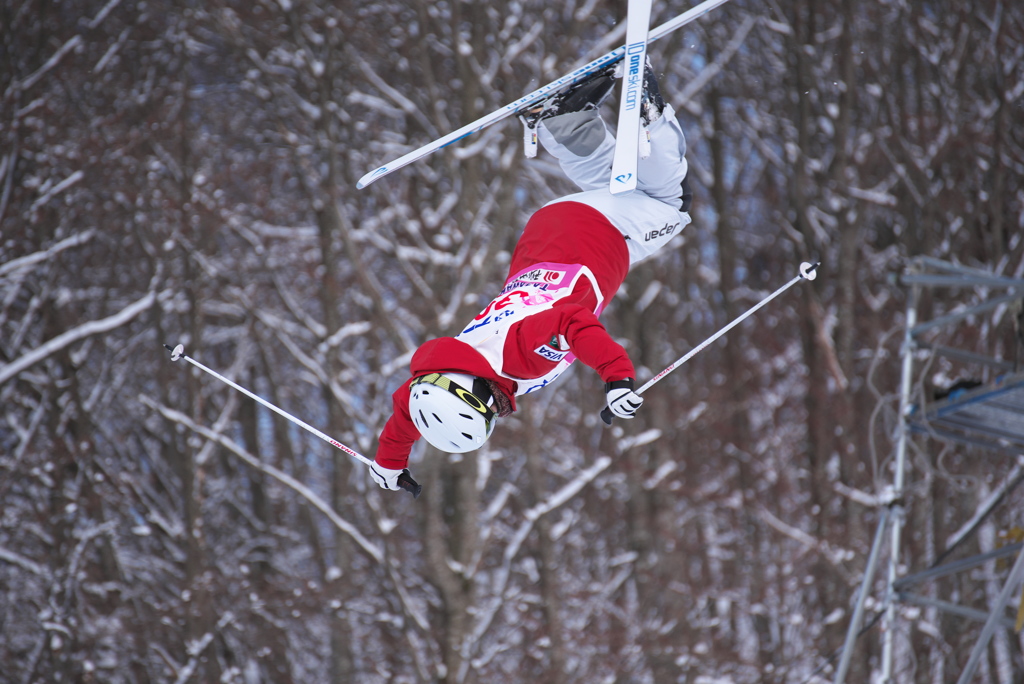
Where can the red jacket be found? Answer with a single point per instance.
(565, 232)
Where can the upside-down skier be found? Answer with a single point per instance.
(570, 261)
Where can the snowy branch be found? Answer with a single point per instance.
(503, 573)
(106, 10)
(195, 649)
(284, 478)
(882, 199)
(854, 494)
(23, 563)
(687, 96)
(35, 258)
(568, 491)
(834, 556)
(57, 189)
(405, 104)
(85, 537)
(315, 326)
(75, 334)
(54, 60)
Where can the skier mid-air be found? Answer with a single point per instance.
(570, 261)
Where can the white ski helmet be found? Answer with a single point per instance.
(450, 410)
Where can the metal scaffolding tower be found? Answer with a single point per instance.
(989, 415)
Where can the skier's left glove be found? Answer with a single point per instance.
(386, 478)
(622, 400)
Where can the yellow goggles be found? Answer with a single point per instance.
(448, 385)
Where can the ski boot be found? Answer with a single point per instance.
(585, 94)
(652, 104)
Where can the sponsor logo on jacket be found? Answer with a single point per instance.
(667, 229)
(542, 275)
(555, 350)
(551, 354)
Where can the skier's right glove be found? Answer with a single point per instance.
(622, 400)
(386, 478)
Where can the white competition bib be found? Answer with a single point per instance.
(531, 291)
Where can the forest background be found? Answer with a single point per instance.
(183, 171)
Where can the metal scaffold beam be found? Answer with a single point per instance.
(988, 415)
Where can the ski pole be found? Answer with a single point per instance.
(808, 271)
(405, 480)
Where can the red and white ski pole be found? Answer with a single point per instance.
(405, 480)
(808, 271)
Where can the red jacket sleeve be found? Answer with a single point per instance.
(399, 433)
(586, 338)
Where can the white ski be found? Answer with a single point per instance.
(531, 99)
(627, 137)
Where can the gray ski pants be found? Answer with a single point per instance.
(649, 217)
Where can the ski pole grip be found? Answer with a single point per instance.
(410, 485)
(606, 415)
